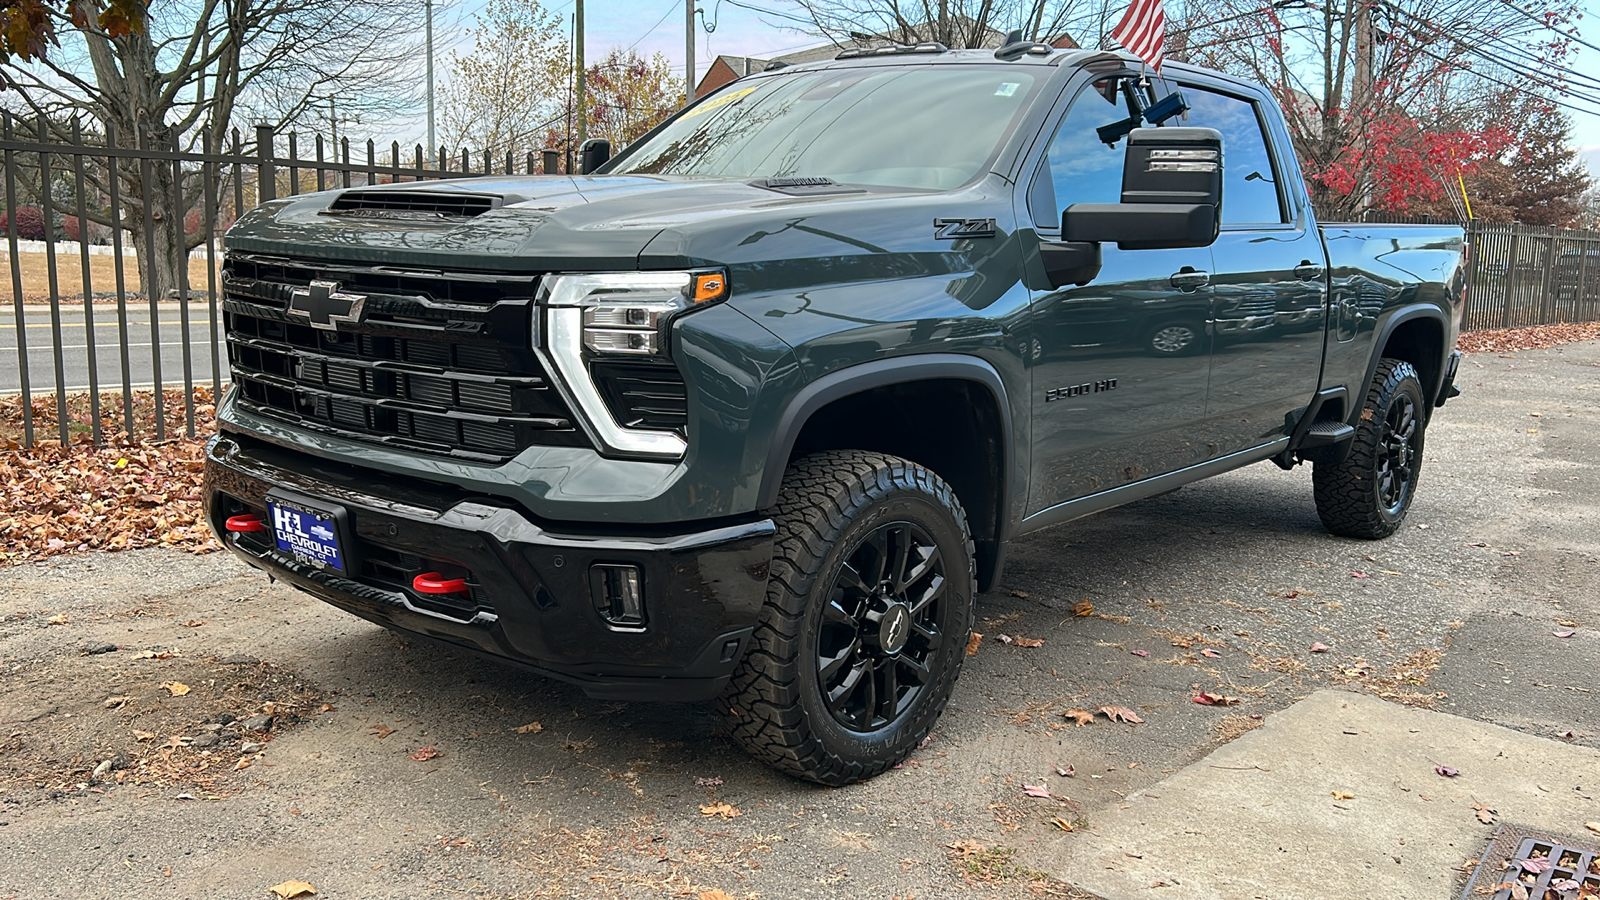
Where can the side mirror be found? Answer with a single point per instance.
(594, 153)
(1171, 194)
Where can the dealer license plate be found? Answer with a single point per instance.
(306, 534)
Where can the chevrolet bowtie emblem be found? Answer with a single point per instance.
(325, 305)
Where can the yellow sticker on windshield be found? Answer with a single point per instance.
(718, 102)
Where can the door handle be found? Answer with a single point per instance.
(1190, 279)
(1308, 270)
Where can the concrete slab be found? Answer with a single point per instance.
(1259, 818)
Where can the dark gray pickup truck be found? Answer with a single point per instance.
(752, 411)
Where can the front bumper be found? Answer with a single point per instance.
(529, 588)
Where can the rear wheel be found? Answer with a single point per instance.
(1368, 494)
(863, 633)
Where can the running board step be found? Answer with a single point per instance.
(1321, 434)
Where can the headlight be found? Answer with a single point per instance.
(618, 315)
(626, 312)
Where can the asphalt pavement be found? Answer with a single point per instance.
(41, 327)
(399, 769)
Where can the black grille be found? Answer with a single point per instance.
(410, 204)
(643, 394)
(439, 362)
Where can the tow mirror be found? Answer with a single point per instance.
(1171, 194)
(594, 153)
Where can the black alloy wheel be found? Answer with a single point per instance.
(1399, 448)
(880, 629)
(1367, 493)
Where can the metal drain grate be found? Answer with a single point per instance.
(1560, 868)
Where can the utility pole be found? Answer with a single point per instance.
(583, 77)
(688, 52)
(433, 145)
(1361, 92)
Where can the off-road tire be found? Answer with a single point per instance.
(829, 507)
(1350, 495)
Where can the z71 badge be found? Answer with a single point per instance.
(956, 229)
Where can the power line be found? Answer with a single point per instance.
(672, 7)
(1546, 25)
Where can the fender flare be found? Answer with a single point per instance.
(866, 376)
(1400, 317)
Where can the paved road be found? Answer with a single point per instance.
(620, 800)
(39, 331)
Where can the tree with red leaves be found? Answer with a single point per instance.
(1388, 104)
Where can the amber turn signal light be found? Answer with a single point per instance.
(710, 286)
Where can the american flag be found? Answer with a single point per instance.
(1142, 30)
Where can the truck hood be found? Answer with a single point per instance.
(555, 223)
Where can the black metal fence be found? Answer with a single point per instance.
(1525, 275)
(114, 250)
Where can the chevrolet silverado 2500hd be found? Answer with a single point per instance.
(752, 411)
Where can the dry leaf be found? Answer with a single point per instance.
(1066, 771)
(713, 895)
(242, 764)
(1592, 826)
(291, 889)
(1342, 795)
(1030, 642)
(177, 688)
(1081, 716)
(58, 620)
(1563, 634)
(1358, 575)
(1320, 648)
(1063, 824)
(381, 730)
(1535, 864)
(1210, 653)
(1210, 699)
(1484, 813)
(1141, 653)
(1021, 595)
(1083, 608)
(423, 754)
(720, 808)
(530, 728)
(194, 623)
(973, 640)
(143, 736)
(1120, 714)
(1037, 790)
(1446, 771)
(1005, 638)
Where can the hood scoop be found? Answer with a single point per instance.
(412, 204)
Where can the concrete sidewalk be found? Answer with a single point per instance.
(1265, 817)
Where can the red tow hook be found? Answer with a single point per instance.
(435, 583)
(245, 522)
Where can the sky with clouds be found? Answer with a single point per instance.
(653, 26)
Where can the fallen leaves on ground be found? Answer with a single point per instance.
(720, 808)
(58, 620)
(128, 493)
(1342, 795)
(1083, 608)
(1485, 814)
(1501, 340)
(1320, 647)
(1030, 642)
(1120, 714)
(1206, 698)
(1144, 654)
(714, 895)
(1535, 864)
(1080, 716)
(1066, 771)
(176, 688)
(381, 730)
(1563, 634)
(1063, 824)
(1038, 790)
(530, 728)
(291, 889)
(1210, 653)
(1592, 826)
(1446, 771)
(973, 641)
(423, 754)
(1359, 575)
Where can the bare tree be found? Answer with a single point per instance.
(510, 87)
(1384, 99)
(957, 23)
(198, 68)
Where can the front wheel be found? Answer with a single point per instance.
(864, 629)
(1367, 495)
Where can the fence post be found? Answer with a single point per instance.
(552, 161)
(1580, 299)
(1511, 270)
(266, 165)
(1547, 294)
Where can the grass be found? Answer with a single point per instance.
(35, 271)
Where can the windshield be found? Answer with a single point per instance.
(926, 126)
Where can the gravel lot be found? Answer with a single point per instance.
(402, 770)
